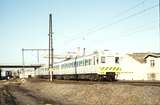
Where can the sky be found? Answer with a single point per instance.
(116, 25)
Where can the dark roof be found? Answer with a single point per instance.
(156, 56)
(20, 66)
(141, 57)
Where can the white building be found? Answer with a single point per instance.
(27, 73)
(153, 67)
(140, 66)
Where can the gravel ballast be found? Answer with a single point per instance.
(96, 94)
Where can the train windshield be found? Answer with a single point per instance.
(103, 59)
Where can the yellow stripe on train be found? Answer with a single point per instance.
(103, 70)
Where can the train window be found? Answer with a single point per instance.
(77, 63)
(56, 67)
(86, 62)
(62, 66)
(90, 61)
(81, 63)
(71, 64)
(117, 60)
(103, 59)
(74, 64)
(68, 65)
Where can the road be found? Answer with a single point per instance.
(11, 93)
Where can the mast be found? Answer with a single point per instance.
(50, 46)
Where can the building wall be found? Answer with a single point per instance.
(26, 73)
(153, 70)
(131, 69)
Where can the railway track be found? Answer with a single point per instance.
(134, 83)
(138, 83)
(122, 82)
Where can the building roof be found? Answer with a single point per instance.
(141, 57)
(152, 55)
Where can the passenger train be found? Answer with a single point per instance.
(101, 65)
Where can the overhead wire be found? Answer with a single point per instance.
(119, 14)
(159, 22)
(125, 35)
(116, 22)
(122, 19)
(125, 18)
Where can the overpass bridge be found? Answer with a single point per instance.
(21, 66)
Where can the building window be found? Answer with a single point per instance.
(152, 63)
(117, 60)
(103, 59)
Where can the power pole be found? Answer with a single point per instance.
(23, 61)
(159, 23)
(50, 60)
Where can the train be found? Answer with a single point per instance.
(100, 65)
(5, 75)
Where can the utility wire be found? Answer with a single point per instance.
(135, 30)
(131, 34)
(119, 14)
(125, 18)
(122, 19)
(130, 9)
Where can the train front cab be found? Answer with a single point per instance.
(108, 67)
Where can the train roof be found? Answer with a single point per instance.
(78, 57)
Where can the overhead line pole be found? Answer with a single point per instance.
(23, 56)
(23, 50)
(51, 40)
(159, 24)
(35, 49)
(50, 60)
(23, 61)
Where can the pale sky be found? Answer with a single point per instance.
(118, 25)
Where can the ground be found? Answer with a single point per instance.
(33, 92)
